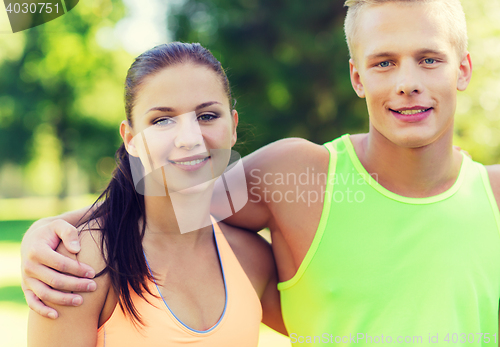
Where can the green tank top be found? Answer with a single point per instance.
(383, 268)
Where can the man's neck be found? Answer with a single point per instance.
(412, 172)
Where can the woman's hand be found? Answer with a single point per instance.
(45, 272)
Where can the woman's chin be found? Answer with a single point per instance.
(186, 189)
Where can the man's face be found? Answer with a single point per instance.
(407, 68)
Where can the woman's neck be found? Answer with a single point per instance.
(177, 218)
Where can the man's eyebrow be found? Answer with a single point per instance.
(418, 53)
(171, 109)
(430, 51)
(380, 55)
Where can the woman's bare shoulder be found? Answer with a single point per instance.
(90, 237)
(78, 324)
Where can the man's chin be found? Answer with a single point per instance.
(412, 139)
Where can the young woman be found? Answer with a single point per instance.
(169, 276)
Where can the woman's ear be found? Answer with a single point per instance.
(234, 137)
(128, 138)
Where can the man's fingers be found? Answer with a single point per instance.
(36, 305)
(46, 294)
(64, 282)
(46, 256)
(67, 233)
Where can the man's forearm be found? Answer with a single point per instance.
(72, 217)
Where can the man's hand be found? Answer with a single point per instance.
(44, 270)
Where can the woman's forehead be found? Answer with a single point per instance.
(181, 86)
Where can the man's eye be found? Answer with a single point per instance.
(429, 61)
(384, 64)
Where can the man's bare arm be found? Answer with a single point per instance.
(266, 162)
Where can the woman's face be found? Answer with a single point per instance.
(183, 129)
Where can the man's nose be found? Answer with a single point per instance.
(408, 79)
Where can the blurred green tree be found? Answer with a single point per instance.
(61, 93)
(61, 99)
(287, 62)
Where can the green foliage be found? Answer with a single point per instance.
(13, 294)
(13, 231)
(287, 62)
(477, 121)
(66, 85)
(61, 94)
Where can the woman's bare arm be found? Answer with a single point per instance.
(76, 326)
(42, 268)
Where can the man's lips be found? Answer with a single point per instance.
(409, 111)
(411, 114)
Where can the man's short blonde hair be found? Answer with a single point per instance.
(450, 10)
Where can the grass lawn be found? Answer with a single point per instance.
(13, 308)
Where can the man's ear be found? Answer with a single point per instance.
(356, 79)
(234, 137)
(128, 138)
(465, 73)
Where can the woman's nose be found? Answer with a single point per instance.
(188, 132)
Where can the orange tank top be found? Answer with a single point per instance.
(237, 326)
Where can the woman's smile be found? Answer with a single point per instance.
(192, 163)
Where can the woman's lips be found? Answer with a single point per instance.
(189, 165)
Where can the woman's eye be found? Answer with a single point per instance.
(384, 64)
(207, 117)
(163, 122)
(429, 61)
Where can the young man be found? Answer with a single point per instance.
(399, 242)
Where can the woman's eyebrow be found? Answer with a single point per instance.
(161, 109)
(206, 104)
(171, 109)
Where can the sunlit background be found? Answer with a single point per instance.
(61, 98)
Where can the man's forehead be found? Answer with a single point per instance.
(397, 16)
(391, 29)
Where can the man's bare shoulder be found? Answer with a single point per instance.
(494, 176)
(287, 153)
